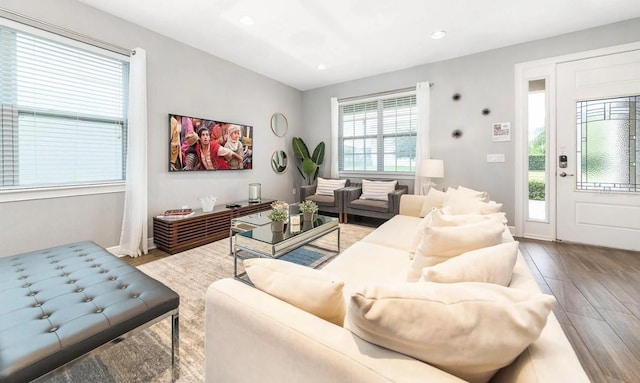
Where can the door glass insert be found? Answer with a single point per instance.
(607, 147)
(537, 150)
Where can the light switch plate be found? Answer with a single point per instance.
(495, 157)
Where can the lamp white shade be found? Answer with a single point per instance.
(432, 168)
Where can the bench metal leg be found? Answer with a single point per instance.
(175, 345)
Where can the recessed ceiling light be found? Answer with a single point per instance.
(322, 67)
(246, 20)
(438, 34)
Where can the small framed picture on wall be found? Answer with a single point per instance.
(501, 131)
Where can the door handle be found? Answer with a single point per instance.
(563, 174)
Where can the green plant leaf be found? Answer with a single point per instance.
(318, 154)
(300, 149)
(309, 168)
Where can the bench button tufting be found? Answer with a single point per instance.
(72, 281)
(31, 293)
(135, 296)
(88, 300)
(37, 304)
(79, 290)
(98, 311)
(53, 329)
(112, 278)
(26, 285)
(45, 316)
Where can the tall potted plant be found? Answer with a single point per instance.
(310, 163)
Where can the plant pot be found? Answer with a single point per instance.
(277, 236)
(307, 216)
(277, 226)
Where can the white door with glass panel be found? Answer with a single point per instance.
(598, 148)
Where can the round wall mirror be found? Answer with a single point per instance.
(279, 124)
(279, 161)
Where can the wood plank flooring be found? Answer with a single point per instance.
(598, 294)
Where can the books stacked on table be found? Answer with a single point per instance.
(177, 213)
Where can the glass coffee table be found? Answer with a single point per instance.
(253, 235)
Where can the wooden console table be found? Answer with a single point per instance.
(173, 234)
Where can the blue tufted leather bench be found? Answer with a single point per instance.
(59, 304)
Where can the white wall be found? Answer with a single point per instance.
(180, 80)
(485, 80)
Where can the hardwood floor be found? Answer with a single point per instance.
(598, 294)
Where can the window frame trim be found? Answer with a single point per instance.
(28, 194)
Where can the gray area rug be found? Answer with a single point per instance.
(146, 355)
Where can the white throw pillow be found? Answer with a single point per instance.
(483, 196)
(490, 265)
(440, 219)
(326, 187)
(441, 243)
(470, 330)
(470, 206)
(377, 190)
(315, 291)
(433, 199)
(417, 235)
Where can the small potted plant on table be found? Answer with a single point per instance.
(308, 208)
(278, 215)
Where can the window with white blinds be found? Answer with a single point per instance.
(378, 136)
(63, 117)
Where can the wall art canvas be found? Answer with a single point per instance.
(199, 144)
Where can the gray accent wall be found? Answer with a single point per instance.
(484, 80)
(180, 80)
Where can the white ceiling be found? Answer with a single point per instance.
(358, 38)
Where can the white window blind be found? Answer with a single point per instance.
(378, 136)
(63, 117)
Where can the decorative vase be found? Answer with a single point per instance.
(307, 216)
(277, 226)
(254, 192)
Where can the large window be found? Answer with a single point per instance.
(378, 136)
(63, 113)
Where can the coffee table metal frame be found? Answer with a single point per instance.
(253, 240)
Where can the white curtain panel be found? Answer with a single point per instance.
(422, 139)
(334, 138)
(133, 238)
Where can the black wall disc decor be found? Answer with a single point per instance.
(456, 96)
(456, 133)
(485, 111)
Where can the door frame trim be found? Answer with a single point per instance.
(537, 69)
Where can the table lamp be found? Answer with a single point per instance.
(430, 168)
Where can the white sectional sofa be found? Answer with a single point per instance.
(252, 336)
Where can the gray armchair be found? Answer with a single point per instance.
(327, 204)
(371, 208)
